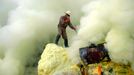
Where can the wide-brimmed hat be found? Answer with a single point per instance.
(68, 12)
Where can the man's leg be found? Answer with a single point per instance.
(66, 42)
(64, 36)
(57, 39)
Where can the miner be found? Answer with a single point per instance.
(64, 21)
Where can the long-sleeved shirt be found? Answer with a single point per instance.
(64, 22)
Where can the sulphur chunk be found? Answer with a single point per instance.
(54, 61)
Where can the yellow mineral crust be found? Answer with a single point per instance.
(55, 61)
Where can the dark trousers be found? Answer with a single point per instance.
(65, 40)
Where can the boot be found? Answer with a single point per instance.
(57, 39)
(66, 42)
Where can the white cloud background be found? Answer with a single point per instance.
(26, 25)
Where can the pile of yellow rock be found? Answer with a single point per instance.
(55, 61)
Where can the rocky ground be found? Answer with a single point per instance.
(55, 61)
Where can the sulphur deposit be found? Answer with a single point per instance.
(55, 61)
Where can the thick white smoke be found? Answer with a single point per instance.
(110, 21)
(26, 25)
(4, 9)
(29, 25)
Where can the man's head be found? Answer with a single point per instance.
(68, 13)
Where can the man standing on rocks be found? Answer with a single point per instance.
(63, 23)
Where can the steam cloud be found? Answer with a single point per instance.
(4, 9)
(110, 21)
(26, 26)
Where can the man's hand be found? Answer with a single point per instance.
(75, 28)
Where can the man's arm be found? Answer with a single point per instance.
(71, 26)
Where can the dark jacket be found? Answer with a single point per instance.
(63, 23)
